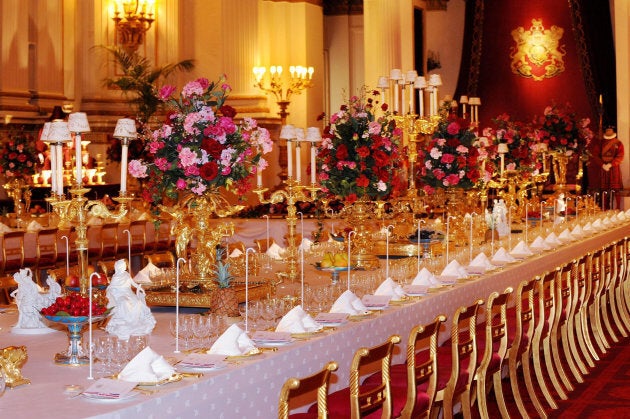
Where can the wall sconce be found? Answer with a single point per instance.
(133, 19)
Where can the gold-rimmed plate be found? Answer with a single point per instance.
(254, 352)
(172, 379)
(359, 317)
(307, 335)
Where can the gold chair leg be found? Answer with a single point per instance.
(604, 310)
(612, 300)
(482, 399)
(552, 361)
(529, 384)
(498, 394)
(568, 353)
(597, 327)
(465, 402)
(580, 354)
(539, 365)
(584, 337)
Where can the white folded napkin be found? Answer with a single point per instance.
(236, 253)
(274, 251)
(577, 232)
(566, 236)
(502, 256)
(147, 367)
(349, 303)
(34, 227)
(306, 244)
(539, 244)
(297, 321)
(425, 277)
(5, 228)
(454, 268)
(390, 288)
(144, 276)
(521, 249)
(233, 342)
(588, 228)
(597, 225)
(607, 223)
(481, 260)
(552, 240)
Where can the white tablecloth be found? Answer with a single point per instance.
(251, 389)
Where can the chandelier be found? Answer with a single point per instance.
(133, 19)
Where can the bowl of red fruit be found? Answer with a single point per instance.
(73, 308)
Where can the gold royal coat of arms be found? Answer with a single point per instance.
(538, 53)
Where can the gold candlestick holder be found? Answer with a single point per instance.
(74, 211)
(292, 193)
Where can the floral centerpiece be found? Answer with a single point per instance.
(201, 147)
(359, 155)
(562, 131)
(451, 157)
(18, 156)
(518, 137)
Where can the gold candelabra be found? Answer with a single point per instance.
(299, 80)
(292, 193)
(131, 27)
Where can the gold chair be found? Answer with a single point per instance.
(12, 252)
(622, 317)
(561, 329)
(541, 346)
(581, 291)
(417, 377)
(595, 272)
(46, 251)
(109, 241)
(134, 240)
(162, 240)
(605, 300)
(492, 341)
(457, 363)
(107, 267)
(296, 388)
(357, 400)
(521, 326)
(7, 285)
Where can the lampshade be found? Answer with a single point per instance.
(313, 134)
(463, 99)
(420, 82)
(288, 132)
(435, 80)
(45, 131)
(125, 128)
(77, 122)
(411, 76)
(382, 83)
(299, 134)
(58, 133)
(474, 101)
(395, 74)
(502, 148)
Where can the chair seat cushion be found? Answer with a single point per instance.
(307, 415)
(445, 362)
(339, 402)
(398, 375)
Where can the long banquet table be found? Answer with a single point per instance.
(250, 388)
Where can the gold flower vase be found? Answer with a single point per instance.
(358, 215)
(191, 221)
(19, 191)
(560, 161)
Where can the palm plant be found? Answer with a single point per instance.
(139, 80)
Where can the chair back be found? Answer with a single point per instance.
(524, 323)
(295, 387)
(109, 241)
(367, 400)
(46, 251)
(12, 251)
(546, 304)
(423, 341)
(496, 336)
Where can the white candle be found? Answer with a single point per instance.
(402, 93)
(53, 169)
(298, 162)
(289, 159)
(421, 102)
(463, 110)
(395, 96)
(502, 163)
(412, 107)
(59, 148)
(259, 178)
(123, 167)
(78, 160)
(476, 113)
(313, 164)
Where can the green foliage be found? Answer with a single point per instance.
(222, 273)
(139, 80)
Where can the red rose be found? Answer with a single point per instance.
(22, 158)
(209, 171)
(363, 151)
(363, 181)
(228, 111)
(342, 152)
(380, 158)
(212, 147)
